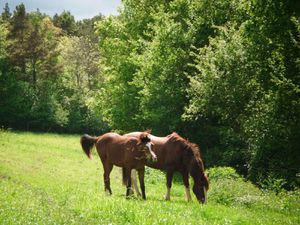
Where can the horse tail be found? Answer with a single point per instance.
(87, 143)
(124, 177)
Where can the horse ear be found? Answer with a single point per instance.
(148, 131)
(144, 138)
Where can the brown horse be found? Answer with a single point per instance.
(127, 152)
(174, 153)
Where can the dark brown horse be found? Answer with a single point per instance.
(127, 152)
(174, 153)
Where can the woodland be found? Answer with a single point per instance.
(223, 74)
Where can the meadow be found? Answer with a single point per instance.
(47, 179)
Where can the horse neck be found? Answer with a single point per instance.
(196, 169)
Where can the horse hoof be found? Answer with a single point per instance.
(131, 192)
(107, 193)
(128, 197)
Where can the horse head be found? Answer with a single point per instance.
(196, 170)
(200, 188)
(145, 141)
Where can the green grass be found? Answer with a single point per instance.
(46, 179)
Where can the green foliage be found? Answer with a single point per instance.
(118, 98)
(147, 87)
(246, 88)
(224, 74)
(228, 188)
(80, 83)
(80, 58)
(87, 28)
(219, 173)
(276, 185)
(18, 35)
(16, 100)
(220, 92)
(48, 80)
(66, 22)
(3, 40)
(6, 14)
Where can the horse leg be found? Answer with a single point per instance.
(169, 183)
(185, 177)
(142, 182)
(107, 169)
(128, 175)
(134, 183)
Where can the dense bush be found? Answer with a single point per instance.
(229, 188)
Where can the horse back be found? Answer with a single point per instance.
(167, 152)
(156, 140)
(117, 149)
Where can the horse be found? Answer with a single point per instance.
(126, 152)
(175, 153)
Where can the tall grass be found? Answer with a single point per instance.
(46, 179)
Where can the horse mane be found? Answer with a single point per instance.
(188, 145)
(193, 157)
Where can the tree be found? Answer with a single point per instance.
(3, 39)
(275, 131)
(6, 14)
(80, 57)
(14, 103)
(86, 28)
(43, 86)
(118, 102)
(42, 51)
(139, 90)
(220, 94)
(18, 35)
(80, 83)
(247, 88)
(66, 22)
(224, 73)
(146, 51)
(32, 71)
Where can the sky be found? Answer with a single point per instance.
(80, 9)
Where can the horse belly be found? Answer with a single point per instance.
(116, 156)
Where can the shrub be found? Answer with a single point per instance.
(217, 173)
(228, 187)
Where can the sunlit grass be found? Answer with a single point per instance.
(46, 179)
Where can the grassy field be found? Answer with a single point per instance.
(46, 179)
